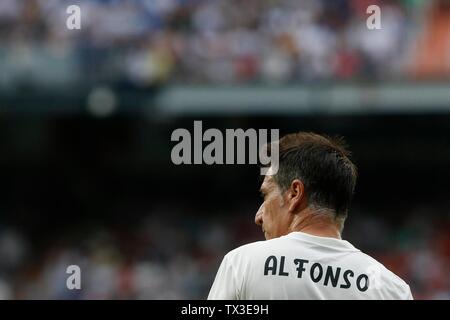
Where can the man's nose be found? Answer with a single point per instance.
(258, 216)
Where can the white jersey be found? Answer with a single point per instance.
(303, 266)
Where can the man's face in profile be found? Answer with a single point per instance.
(272, 215)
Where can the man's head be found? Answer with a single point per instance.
(314, 173)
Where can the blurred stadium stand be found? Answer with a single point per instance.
(86, 118)
(145, 43)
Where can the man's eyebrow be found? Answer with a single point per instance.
(262, 189)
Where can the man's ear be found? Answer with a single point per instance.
(296, 195)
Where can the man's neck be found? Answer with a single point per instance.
(319, 223)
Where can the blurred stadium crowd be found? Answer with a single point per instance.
(150, 42)
(174, 256)
(144, 43)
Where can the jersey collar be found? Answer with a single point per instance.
(325, 241)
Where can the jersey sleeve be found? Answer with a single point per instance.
(409, 295)
(225, 284)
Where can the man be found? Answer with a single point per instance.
(302, 217)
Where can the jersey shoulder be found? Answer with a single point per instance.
(255, 248)
(387, 278)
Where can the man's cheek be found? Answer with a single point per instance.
(273, 208)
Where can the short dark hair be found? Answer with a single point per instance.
(322, 164)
